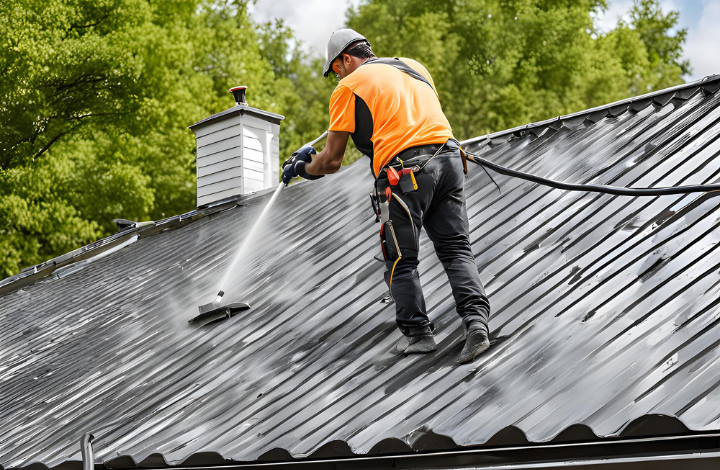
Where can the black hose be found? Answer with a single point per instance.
(594, 188)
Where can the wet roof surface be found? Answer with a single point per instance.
(605, 310)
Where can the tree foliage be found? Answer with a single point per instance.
(503, 63)
(96, 95)
(95, 100)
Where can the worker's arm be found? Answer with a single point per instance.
(330, 159)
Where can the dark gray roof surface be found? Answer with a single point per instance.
(605, 311)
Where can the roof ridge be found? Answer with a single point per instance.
(710, 84)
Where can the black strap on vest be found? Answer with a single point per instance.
(403, 67)
(400, 65)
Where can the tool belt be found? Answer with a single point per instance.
(417, 157)
(400, 174)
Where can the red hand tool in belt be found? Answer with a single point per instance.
(406, 174)
(393, 176)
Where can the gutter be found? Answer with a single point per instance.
(681, 452)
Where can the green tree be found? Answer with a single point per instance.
(35, 223)
(503, 63)
(96, 98)
(62, 65)
(658, 59)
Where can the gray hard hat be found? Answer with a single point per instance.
(339, 41)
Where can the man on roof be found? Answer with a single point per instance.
(391, 109)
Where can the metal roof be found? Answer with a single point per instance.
(605, 314)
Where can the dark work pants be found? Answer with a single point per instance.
(439, 206)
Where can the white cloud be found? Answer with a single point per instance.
(312, 20)
(616, 9)
(703, 42)
(620, 9)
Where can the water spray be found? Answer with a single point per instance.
(214, 311)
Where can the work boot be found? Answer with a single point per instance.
(421, 341)
(476, 342)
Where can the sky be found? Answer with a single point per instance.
(702, 20)
(314, 20)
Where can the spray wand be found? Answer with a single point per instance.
(215, 311)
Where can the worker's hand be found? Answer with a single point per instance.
(304, 154)
(288, 172)
(295, 165)
(298, 169)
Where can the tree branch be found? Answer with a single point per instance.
(47, 146)
(82, 80)
(84, 26)
(83, 116)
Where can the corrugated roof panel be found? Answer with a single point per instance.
(605, 311)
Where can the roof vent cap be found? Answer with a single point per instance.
(238, 93)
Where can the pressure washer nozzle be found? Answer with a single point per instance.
(212, 312)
